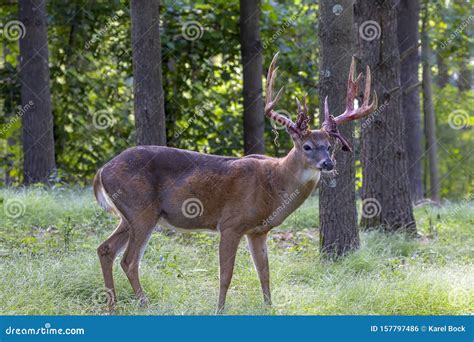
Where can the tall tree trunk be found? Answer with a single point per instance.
(37, 131)
(465, 75)
(443, 77)
(147, 80)
(337, 205)
(251, 48)
(385, 190)
(407, 22)
(429, 115)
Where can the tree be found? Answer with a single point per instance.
(251, 49)
(428, 112)
(337, 207)
(37, 120)
(465, 74)
(385, 188)
(407, 22)
(443, 77)
(147, 80)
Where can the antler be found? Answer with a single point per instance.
(302, 122)
(330, 123)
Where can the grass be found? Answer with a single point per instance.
(49, 265)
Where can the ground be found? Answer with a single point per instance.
(49, 265)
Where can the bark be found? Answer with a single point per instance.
(465, 75)
(251, 49)
(339, 232)
(147, 79)
(429, 117)
(442, 78)
(37, 120)
(407, 22)
(385, 186)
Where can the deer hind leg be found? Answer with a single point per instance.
(229, 242)
(107, 252)
(140, 232)
(258, 249)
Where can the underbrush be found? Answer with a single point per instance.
(49, 266)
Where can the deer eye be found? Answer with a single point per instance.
(329, 148)
(306, 147)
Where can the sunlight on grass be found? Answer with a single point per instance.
(49, 265)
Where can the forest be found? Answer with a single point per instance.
(388, 231)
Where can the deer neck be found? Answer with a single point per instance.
(296, 172)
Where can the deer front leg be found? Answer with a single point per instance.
(258, 249)
(228, 245)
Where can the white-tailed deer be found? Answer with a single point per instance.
(149, 185)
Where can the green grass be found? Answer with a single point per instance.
(49, 266)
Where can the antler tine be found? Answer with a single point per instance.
(298, 104)
(330, 123)
(350, 113)
(303, 119)
(271, 76)
(368, 81)
(326, 109)
(270, 101)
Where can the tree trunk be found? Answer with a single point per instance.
(147, 80)
(407, 22)
(251, 48)
(442, 78)
(339, 233)
(465, 75)
(37, 120)
(429, 115)
(385, 189)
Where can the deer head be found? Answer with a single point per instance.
(314, 145)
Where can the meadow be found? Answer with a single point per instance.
(49, 265)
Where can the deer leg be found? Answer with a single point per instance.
(138, 239)
(228, 245)
(107, 252)
(258, 249)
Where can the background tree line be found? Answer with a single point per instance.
(189, 75)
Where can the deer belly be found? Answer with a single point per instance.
(163, 223)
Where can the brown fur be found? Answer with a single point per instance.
(239, 196)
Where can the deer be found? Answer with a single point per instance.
(146, 186)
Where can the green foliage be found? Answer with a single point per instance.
(455, 137)
(390, 274)
(92, 81)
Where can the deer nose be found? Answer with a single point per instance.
(328, 165)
